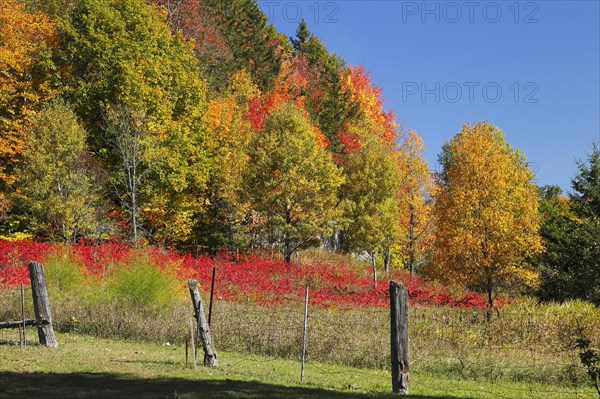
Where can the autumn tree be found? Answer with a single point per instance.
(59, 196)
(25, 84)
(55, 9)
(370, 198)
(221, 225)
(487, 220)
(290, 85)
(329, 101)
(232, 35)
(366, 137)
(293, 181)
(367, 96)
(415, 201)
(123, 52)
(196, 20)
(130, 144)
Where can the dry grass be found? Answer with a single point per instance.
(524, 342)
(91, 367)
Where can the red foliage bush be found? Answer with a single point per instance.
(14, 256)
(253, 278)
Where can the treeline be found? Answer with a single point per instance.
(195, 124)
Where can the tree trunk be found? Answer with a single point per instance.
(491, 297)
(287, 242)
(134, 215)
(336, 239)
(411, 241)
(387, 259)
(373, 264)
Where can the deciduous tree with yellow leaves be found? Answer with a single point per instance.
(221, 226)
(25, 38)
(486, 213)
(414, 199)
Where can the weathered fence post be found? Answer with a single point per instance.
(41, 305)
(399, 337)
(210, 354)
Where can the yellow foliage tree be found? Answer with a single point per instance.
(415, 192)
(486, 213)
(56, 187)
(138, 89)
(24, 41)
(232, 132)
(370, 196)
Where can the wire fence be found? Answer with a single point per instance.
(459, 347)
(456, 345)
(11, 300)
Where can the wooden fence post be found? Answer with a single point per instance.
(41, 305)
(210, 354)
(399, 337)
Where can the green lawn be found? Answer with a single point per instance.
(87, 367)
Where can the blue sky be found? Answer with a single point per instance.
(530, 67)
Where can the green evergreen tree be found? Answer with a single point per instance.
(255, 45)
(302, 36)
(586, 185)
(570, 230)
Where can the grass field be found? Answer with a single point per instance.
(87, 367)
(111, 326)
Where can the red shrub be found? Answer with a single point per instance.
(252, 277)
(14, 256)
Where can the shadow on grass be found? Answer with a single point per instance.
(107, 385)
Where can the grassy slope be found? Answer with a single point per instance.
(86, 367)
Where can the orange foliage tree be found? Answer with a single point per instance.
(194, 19)
(486, 213)
(226, 120)
(370, 107)
(296, 83)
(24, 58)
